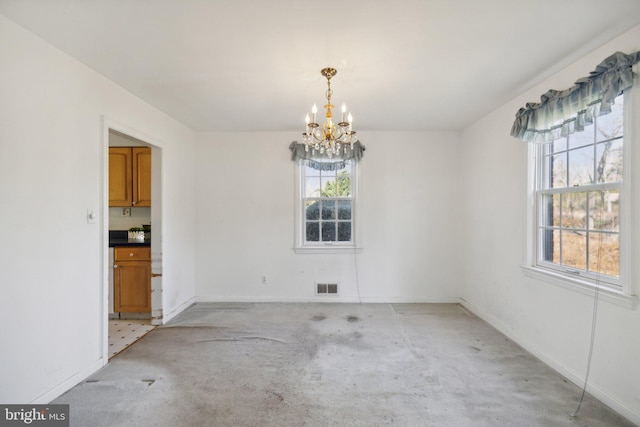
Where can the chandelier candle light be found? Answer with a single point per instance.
(329, 138)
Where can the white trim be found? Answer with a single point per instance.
(179, 309)
(622, 290)
(585, 287)
(632, 414)
(323, 299)
(157, 213)
(328, 249)
(299, 245)
(630, 194)
(607, 186)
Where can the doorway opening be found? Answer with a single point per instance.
(132, 235)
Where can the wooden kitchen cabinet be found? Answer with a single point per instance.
(141, 176)
(129, 176)
(132, 279)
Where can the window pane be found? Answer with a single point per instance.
(344, 209)
(344, 231)
(312, 210)
(329, 231)
(559, 145)
(581, 229)
(604, 253)
(579, 139)
(611, 125)
(551, 210)
(581, 170)
(313, 231)
(312, 187)
(574, 249)
(344, 183)
(547, 172)
(604, 210)
(609, 156)
(557, 165)
(311, 172)
(574, 210)
(328, 209)
(329, 186)
(328, 205)
(550, 245)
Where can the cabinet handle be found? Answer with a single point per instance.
(131, 254)
(115, 266)
(133, 203)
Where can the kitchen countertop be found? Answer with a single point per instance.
(118, 238)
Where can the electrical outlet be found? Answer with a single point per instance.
(125, 212)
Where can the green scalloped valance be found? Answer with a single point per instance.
(321, 161)
(563, 112)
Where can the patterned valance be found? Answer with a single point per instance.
(563, 112)
(321, 161)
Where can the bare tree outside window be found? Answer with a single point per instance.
(580, 197)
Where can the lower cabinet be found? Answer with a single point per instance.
(132, 279)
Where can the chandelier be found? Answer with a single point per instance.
(328, 138)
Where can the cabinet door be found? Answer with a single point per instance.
(120, 178)
(132, 286)
(141, 176)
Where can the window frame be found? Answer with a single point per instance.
(300, 243)
(623, 290)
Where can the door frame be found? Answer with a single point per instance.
(156, 219)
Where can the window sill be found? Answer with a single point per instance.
(328, 249)
(584, 287)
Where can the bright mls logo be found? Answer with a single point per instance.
(35, 415)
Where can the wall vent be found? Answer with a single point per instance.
(326, 289)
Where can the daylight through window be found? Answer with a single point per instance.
(578, 198)
(328, 206)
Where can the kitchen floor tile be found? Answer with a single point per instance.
(123, 333)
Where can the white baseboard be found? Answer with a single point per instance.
(177, 310)
(403, 300)
(70, 382)
(331, 299)
(625, 411)
(80, 376)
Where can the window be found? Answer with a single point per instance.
(326, 208)
(583, 198)
(584, 189)
(578, 199)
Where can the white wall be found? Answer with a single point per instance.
(240, 201)
(408, 194)
(52, 158)
(552, 322)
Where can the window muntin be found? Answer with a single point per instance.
(328, 206)
(578, 199)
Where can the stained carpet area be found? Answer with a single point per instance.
(327, 364)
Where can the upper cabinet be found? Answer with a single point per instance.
(141, 176)
(129, 176)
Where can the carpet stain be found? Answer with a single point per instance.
(318, 317)
(352, 319)
(277, 395)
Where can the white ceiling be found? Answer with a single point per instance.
(254, 65)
